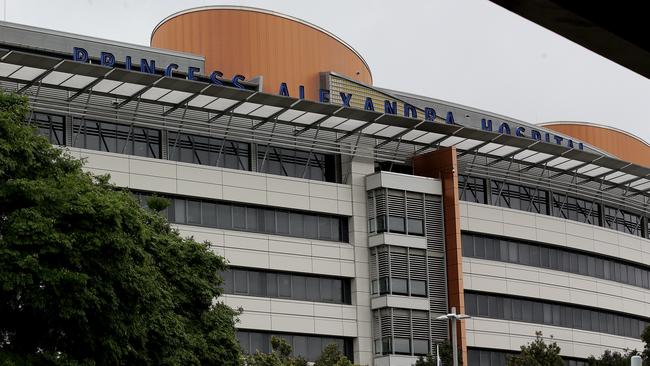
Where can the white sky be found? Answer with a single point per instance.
(471, 52)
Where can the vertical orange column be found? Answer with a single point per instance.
(442, 164)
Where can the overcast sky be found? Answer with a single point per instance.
(471, 52)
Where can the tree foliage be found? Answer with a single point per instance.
(609, 358)
(538, 353)
(87, 277)
(332, 356)
(615, 358)
(280, 356)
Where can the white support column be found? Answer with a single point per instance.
(356, 169)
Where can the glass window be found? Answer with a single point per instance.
(253, 218)
(418, 288)
(399, 286)
(297, 225)
(311, 226)
(314, 347)
(300, 346)
(396, 224)
(239, 217)
(224, 214)
(282, 222)
(209, 213)
(257, 283)
(272, 284)
(284, 285)
(299, 286)
(420, 346)
(415, 227)
(241, 281)
(402, 346)
(325, 228)
(244, 341)
(313, 289)
(193, 212)
(179, 211)
(269, 221)
(326, 289)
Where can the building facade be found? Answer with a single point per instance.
(349, 213)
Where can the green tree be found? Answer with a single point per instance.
(538, 353)
(645, 354)
(88, 277)
(609, 358)
(280, 356)
(332, 356)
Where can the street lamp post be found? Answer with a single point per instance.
(453, 317)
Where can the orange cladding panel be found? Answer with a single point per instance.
(442, 164)
(253, 43)
(621, 144)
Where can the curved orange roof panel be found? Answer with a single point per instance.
(254, 42)
(619, 143)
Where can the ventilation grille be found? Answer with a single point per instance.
(434, 224)
(415, 206)
(398, 263)
(396, 203)
(418, 267)
(401, 323)
(384, 269)
(380, 201)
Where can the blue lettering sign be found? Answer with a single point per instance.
(236, 81)
(169, 70)
(390, 108)
(345, 98)
(147, 66)
(106, 59)
(79, 54)
(450, 118)
(519, 131)
(486, 125)
(214, 77)
(410, 111)
(368, 104)
(429, 114)
(324, 96)
(504, 128)
(191, 70)
(284, 90)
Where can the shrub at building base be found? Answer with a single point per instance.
(87, 277)
(538, 353)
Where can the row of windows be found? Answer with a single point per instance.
(296, 163)
(241, 281)
(536, 200)
(131, 140)
(398, 271)
(309, 347)
(401, 331)
(396, 211)
(236, 216)
(549, 313)
(542, 256)
(208, 151)
(490, 357)
(111, 137)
